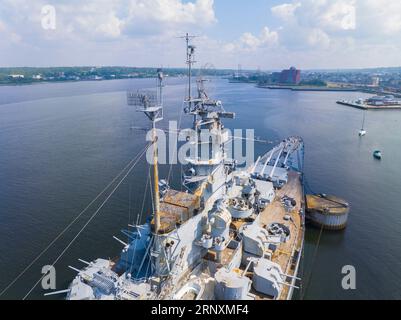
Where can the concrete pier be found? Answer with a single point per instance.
(366, 106)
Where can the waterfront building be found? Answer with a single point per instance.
(291, 76)
(375, 81)
(387, 100)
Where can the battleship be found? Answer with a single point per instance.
(235, 233)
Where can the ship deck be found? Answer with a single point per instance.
(285, 255)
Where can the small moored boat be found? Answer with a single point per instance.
(378, 154)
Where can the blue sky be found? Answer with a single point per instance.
(235, 17)
(270, 34)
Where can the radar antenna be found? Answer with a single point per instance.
(190, 62)
(151, 104)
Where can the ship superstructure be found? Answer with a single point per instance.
(234, 234)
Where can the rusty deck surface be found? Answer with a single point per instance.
(327, 204)
(275, 213)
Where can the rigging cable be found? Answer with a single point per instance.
(313, 263)
(176, 144)
(309, 276)
(144, 196)
(139, 217)
(66, 228)
(92, 217)
(129, 204)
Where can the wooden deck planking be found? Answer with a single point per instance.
(275, 213)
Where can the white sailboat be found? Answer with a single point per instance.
(363, 132)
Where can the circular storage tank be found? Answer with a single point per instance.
(327, 211)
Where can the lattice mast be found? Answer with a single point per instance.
(190, 62)
(151, 104)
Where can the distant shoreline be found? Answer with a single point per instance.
(11, 84)
(28, 76)
(307, 88)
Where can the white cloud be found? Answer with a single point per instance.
(8, 36)
(331, 16)
(306, 33)
(98, 31)
(112, 28)
(161, 13)
(285, 11)
(2, 26)
(268, 37)
(334, 15)
(314, 24)
(340, 15)
(339, 30)
(378, 17)
(95, 19)
(250, 42)
(318, 38)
